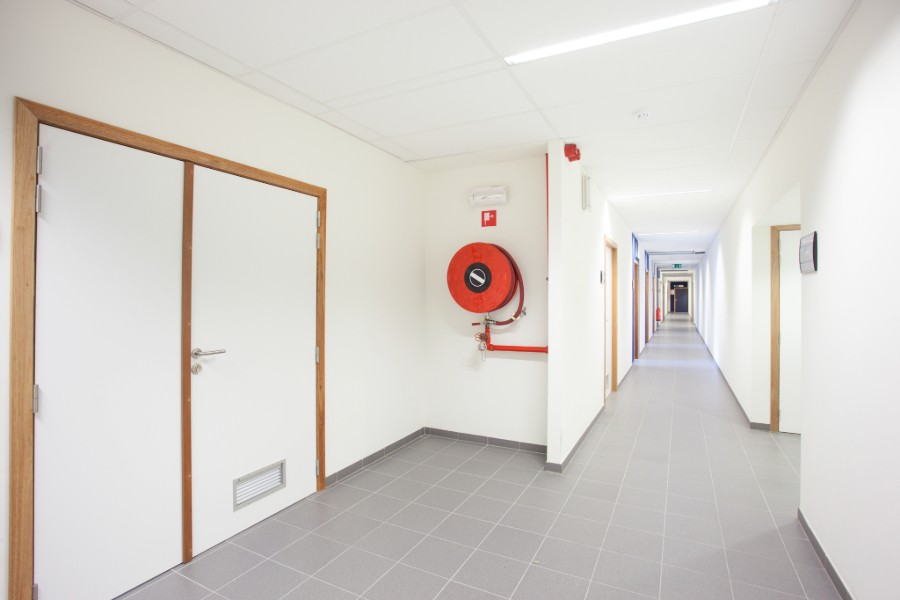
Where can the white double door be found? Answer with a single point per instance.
(108, 431)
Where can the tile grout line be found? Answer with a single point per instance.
(772, 517)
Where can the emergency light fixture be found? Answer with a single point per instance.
(488, 196)
(624, 33)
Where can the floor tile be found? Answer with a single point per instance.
(514, 475)
(567, 557)
(215, 569)
(485, 509)
(642, 498)
(369, 480)
(355, 570)
(419, 518)
(578, 530)
(755, 541)
(461, 482)
(679, 584)
(347, 528)
(444, 499)
(512, 543)
(638, 518)
(763, 572)
(545, 499)
(599, 591)
(589, 508)
(695, 557)
(378, 507)
(628, 573)
(529, 519)
(438, 556)
(541, 584)
(393, 466)
(744, 591)
(527, 460)
(463, 530)
(309, 515)
(267, 581)
(341, 496)
(269, 537)
(390, 541)
(405, 582)
(500, 490)
(458, 591)
(492, 573)
(310, 553)
(172, 587)
(313, 589)
(478, 467)
(405, 489)
(425, 474)
(596, 490)
(691, 507)
(817, 583)
(556, 482)
(462, 449)
(494, 454)
(632, 542)
(445, 461)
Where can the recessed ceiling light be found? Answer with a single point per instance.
(606, 37)
(660, 194)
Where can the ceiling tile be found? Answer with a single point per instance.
(745, 156)
(422, 82)
(514, 130)
(530, 24)
(473, 99)
(779, 87)
(178, 40)
(279, 91)
(266, 31)
(625, 181)
(434, 42)
(108, 8)
(350, 126)
(719, 48)
(761, 123)
(709, 98)
(803, 30)
(396, 149)
(663, 159)
(703, 132)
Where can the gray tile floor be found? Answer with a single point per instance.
(671, 496)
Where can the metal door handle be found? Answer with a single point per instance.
(197, 352)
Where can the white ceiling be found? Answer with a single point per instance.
(425, 80)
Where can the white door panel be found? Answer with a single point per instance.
(790, 412)
(254, 295)
(107, 461)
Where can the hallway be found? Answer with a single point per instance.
(670, 496)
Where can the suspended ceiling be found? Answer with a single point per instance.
(425, 80)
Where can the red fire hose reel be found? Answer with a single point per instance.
(483, 278)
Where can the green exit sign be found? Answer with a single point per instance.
(677, 266)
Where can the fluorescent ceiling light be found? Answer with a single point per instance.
(695, 16)
(661, 194)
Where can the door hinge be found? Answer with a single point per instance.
(37, 198)
(317, 467)
(40, 160)
(317, 355)
(318, 240)
(318, 218)
(34, 592)
(35, 398)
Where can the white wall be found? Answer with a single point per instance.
(64, 56)
(576, 300)
(839, 151)
(504, 396)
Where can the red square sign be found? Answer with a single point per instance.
(489, 218)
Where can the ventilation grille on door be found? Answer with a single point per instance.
(255, 485)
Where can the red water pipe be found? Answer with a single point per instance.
(485, 338)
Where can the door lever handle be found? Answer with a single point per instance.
(197, 352)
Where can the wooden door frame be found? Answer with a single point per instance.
(612, 279)
(28, 118)
(647, 307)
(775, 344)
(635, 310)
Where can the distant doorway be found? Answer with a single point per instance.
(785, 411)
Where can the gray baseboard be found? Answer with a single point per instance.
(826, 562)
(365, 462)
(560, 467)
(483, 439)
(465, 437)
